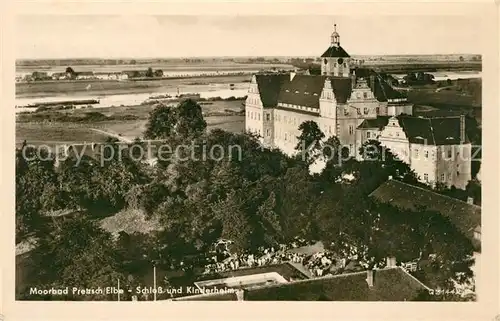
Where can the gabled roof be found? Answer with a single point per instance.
(375, 123)
(269, 87)
(391, 284)
(466, 217)
(337, 52)
(432, 131)
(305, 90)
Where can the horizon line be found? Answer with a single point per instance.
(252, 56)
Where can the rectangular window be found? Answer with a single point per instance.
(449, 176)
(259, 117)
(367, 134)
(442, 177)
(365, 95)
(350, 148)
(268, 132)
(268, 117)
(286, 136)
(449, 153)
(351, 130)
(377, 110)
(416, 152)
(329, 129)
(426, 153)
(426, 177)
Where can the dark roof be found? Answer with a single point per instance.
(380, 88)
(466, 217)
(378, 123)
(269, 87)
(391, 284)
(305, 90)
(433, 131)
(334, 51)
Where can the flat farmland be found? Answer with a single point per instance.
(218, 114)
(38, 134)
(166, 67)
(110, 87)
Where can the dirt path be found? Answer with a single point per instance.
(120, 138)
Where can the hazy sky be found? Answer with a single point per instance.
(73, 36)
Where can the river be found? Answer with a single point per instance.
(207, 91)
(452, 75)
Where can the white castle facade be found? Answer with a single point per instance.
(357, 105)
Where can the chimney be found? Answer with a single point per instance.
(391, 262)
(470, 200)
(292, 75)
(240, 294)
(462, 129)
(369, 277)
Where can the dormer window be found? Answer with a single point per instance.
(296, 91)
(306, 93)
(315, 94)
(287, 91)
(450, 138)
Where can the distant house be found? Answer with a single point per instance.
(134, 73)
(58, 75)
(107, 75)
(85, 75)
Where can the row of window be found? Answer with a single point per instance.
(441, 177)
(253, 101)
(339, 65)
(253, 115)
(447, 153)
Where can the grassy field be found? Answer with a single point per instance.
(110, 87)
(217, 115)
(38, 134)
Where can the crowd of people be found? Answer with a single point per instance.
(318, 264)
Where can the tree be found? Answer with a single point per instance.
(161, 123)
(149, 72)
(70, 71)
(36, 189)
(309, 141)
(77, 253)
(158, 73)
(190, 122)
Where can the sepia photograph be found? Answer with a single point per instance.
(306, 157)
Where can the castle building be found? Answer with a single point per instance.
(354, 104)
